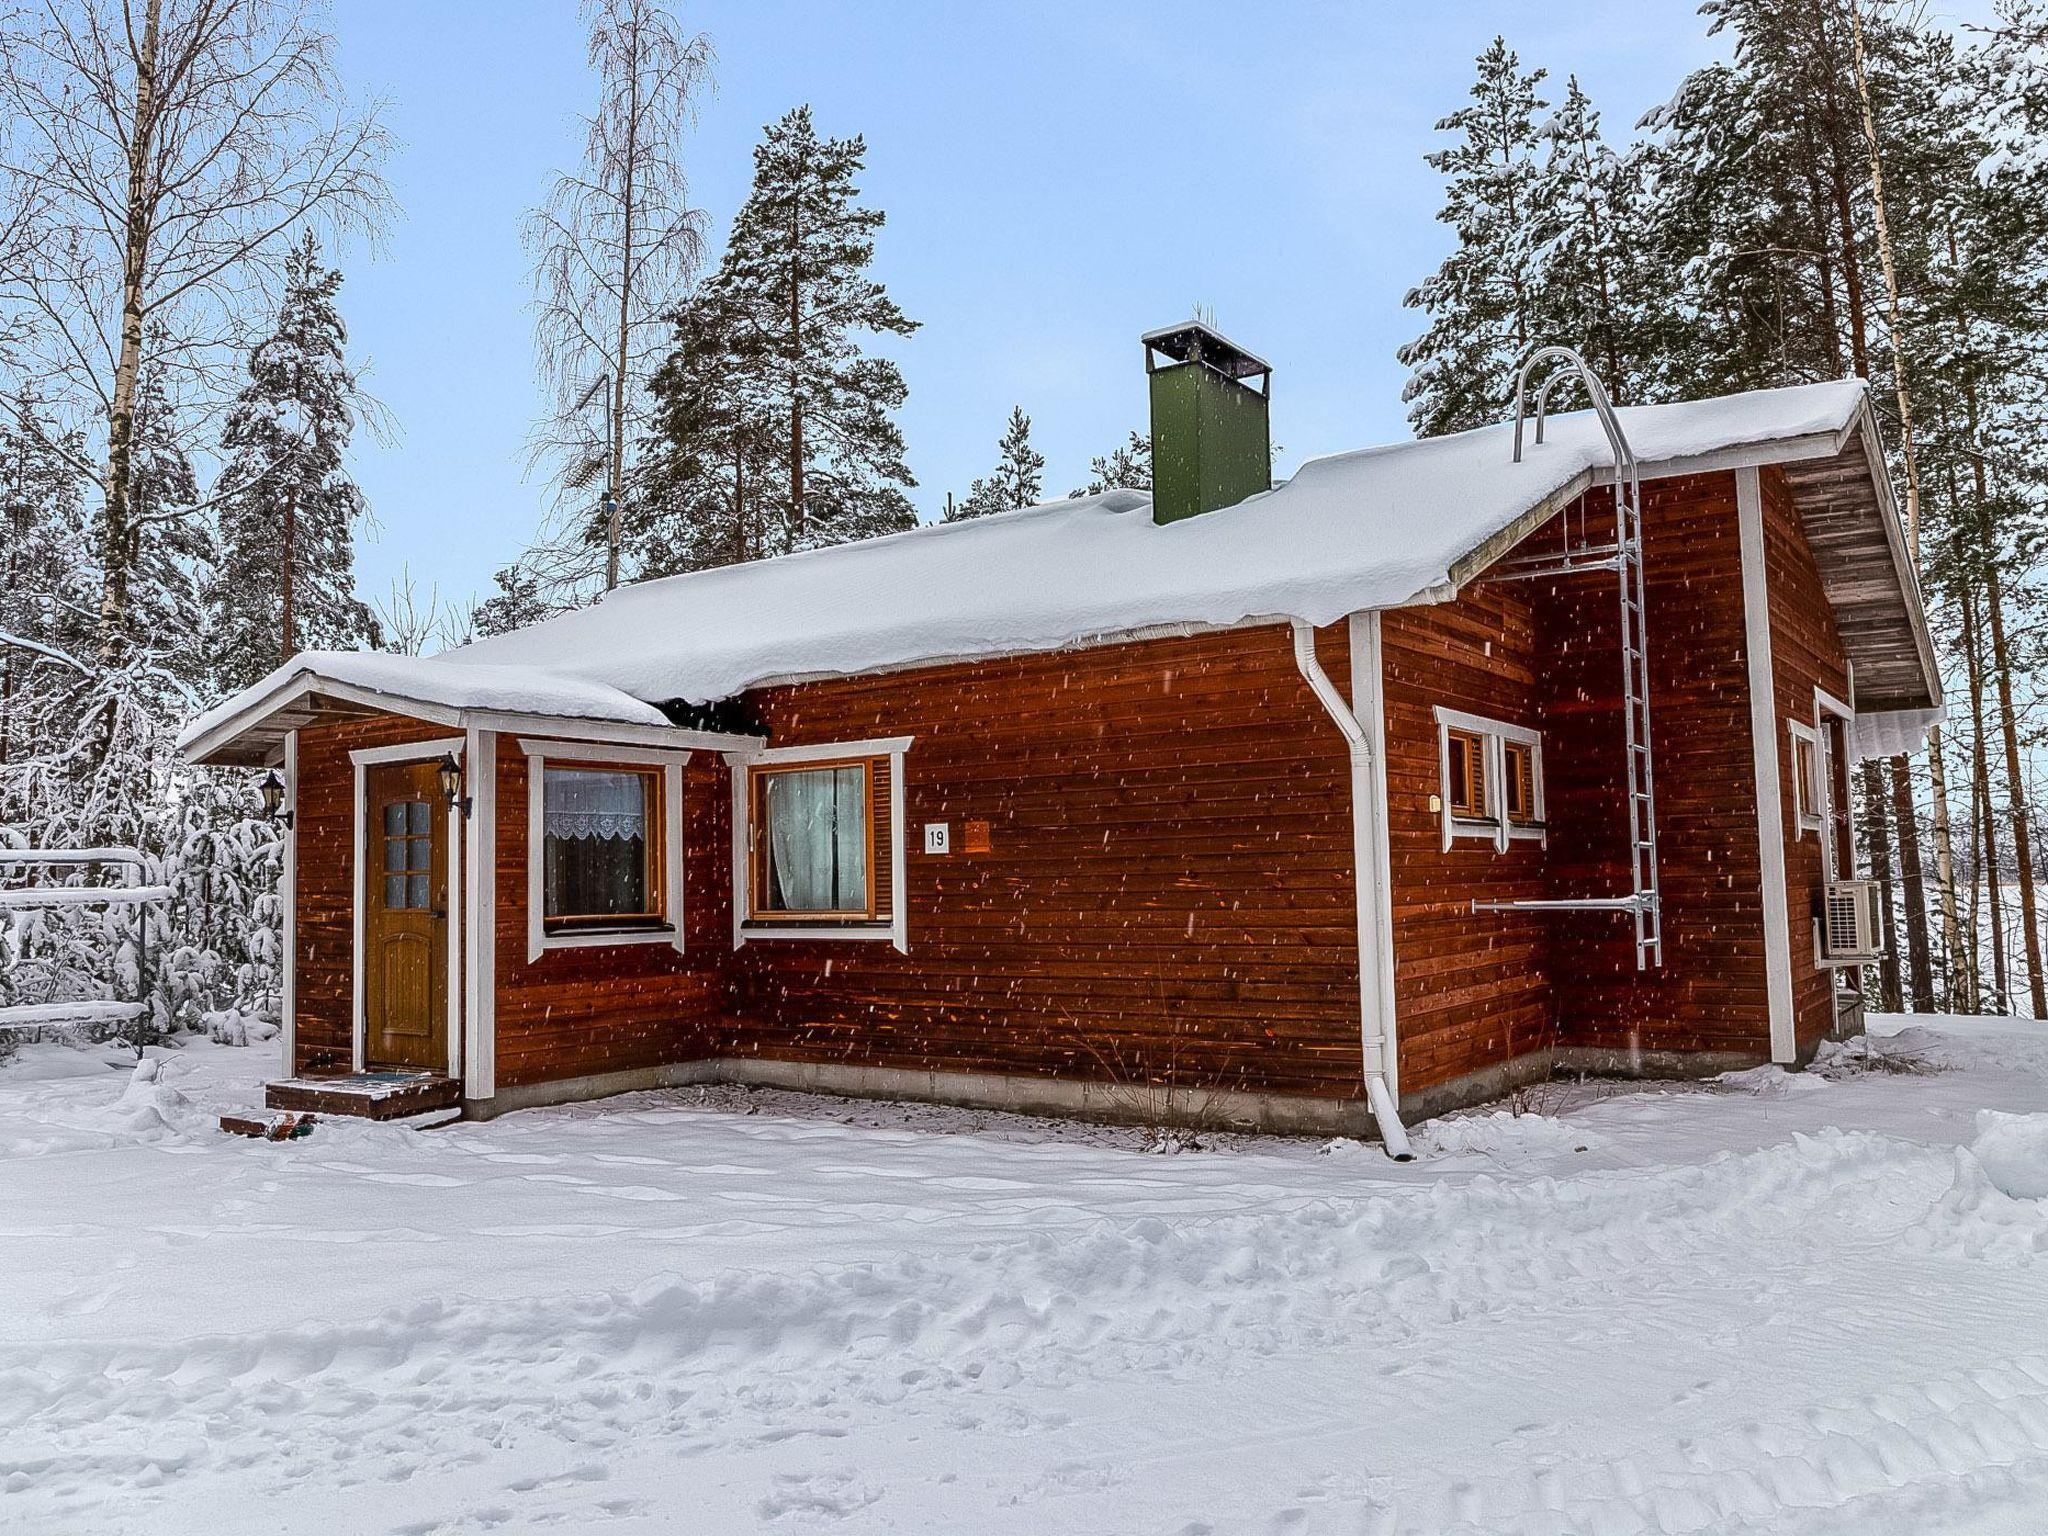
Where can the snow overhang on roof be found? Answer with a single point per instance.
(1377, 528)
(250, 727)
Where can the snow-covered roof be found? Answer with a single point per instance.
(1376, 528)
(1370, 529)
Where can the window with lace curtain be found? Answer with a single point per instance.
(600, 847)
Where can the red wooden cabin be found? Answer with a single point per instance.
(1197, 806)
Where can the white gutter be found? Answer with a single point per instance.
(1371, 1015)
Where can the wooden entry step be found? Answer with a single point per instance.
(366, 1095)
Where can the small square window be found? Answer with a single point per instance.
(1809, 787)
(1519, 783)
(1465, 775)
(1492, 781)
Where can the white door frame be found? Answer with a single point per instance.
(407, 752)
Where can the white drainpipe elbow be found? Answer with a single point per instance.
(1378, 1097)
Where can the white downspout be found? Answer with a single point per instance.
(1372, 1025)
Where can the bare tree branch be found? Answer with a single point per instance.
(615, 246)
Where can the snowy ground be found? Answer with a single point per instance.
(1793, 1304)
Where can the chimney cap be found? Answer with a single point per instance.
(1191, 341)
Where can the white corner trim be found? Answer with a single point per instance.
(1497, 734)
(740, 870)
(362, 759)
(458, 925)
(410, 751)
(899, 914)
(538, 753)
(288, 1005)
(897, 929)
(359, 857)
(1373, 869)
(1763, 733)
(480, 1000)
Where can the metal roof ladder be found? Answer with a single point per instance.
(1624, 556)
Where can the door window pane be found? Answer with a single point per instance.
(595, 843)
(408, 855)
(815, 841)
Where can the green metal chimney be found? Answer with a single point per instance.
(1212, 444)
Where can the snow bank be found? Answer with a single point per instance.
(2014, 1152)
(1501, 1135)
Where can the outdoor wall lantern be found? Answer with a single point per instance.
(271, 788)
(451, 784)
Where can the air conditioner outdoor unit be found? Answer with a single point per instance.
(1848, 923)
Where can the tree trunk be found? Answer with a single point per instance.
(1877, 842)
(1957, 978)
(1919, 967)
(1902, 782)
(1980, 785)
(2022, 837)
(796, 386)
(288, 578)
(117, 535)
(615, 449)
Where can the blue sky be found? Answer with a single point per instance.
(1058, 179)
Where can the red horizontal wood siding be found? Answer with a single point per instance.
(1167, 896)
(594, 1009)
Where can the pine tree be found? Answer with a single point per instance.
(711, 492)
(1483, 301)
(1019, 477)
(1125, 468)
(784, 318)
(517, 603)
(1591, 295)
(285, 581)
(46, 581)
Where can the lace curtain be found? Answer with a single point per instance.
(584, 803)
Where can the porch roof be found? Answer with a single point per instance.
(250, 727)
(1376, 528)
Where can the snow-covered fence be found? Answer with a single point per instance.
(32, 1019)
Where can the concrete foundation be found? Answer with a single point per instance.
(1214, 1109)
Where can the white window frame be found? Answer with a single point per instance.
(603, 755)
(1825, 704)
(897, 930)
(1809, 800)
(1494, 736)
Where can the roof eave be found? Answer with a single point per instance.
(215, 747)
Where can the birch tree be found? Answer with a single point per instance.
(614, 248)
(171, 149)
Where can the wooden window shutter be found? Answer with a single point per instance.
(881, 836)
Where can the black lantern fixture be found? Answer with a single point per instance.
(451, 784)
(271, 788)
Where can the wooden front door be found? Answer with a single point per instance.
(405, 918)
